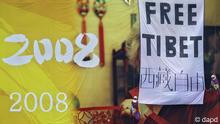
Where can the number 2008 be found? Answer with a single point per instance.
(61, 105)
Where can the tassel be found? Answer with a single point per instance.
(100, 10)
(84, 41)
(101, 44)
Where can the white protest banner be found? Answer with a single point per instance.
(172, 67)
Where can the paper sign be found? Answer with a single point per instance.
(172, 68)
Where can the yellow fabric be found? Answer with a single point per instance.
(54, 19)
(31, 77)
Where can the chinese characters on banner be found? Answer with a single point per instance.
(172, 68)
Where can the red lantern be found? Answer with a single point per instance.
(100, 11)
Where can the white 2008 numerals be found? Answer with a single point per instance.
(60, 102)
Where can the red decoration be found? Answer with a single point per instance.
(100, 10)
(83, 10)
(98, 115)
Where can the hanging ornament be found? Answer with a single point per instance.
(83, 10)
(100, 10)
(215, 83)
(75, 102)
(134, 108)
(133, 15)
(128, 2)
